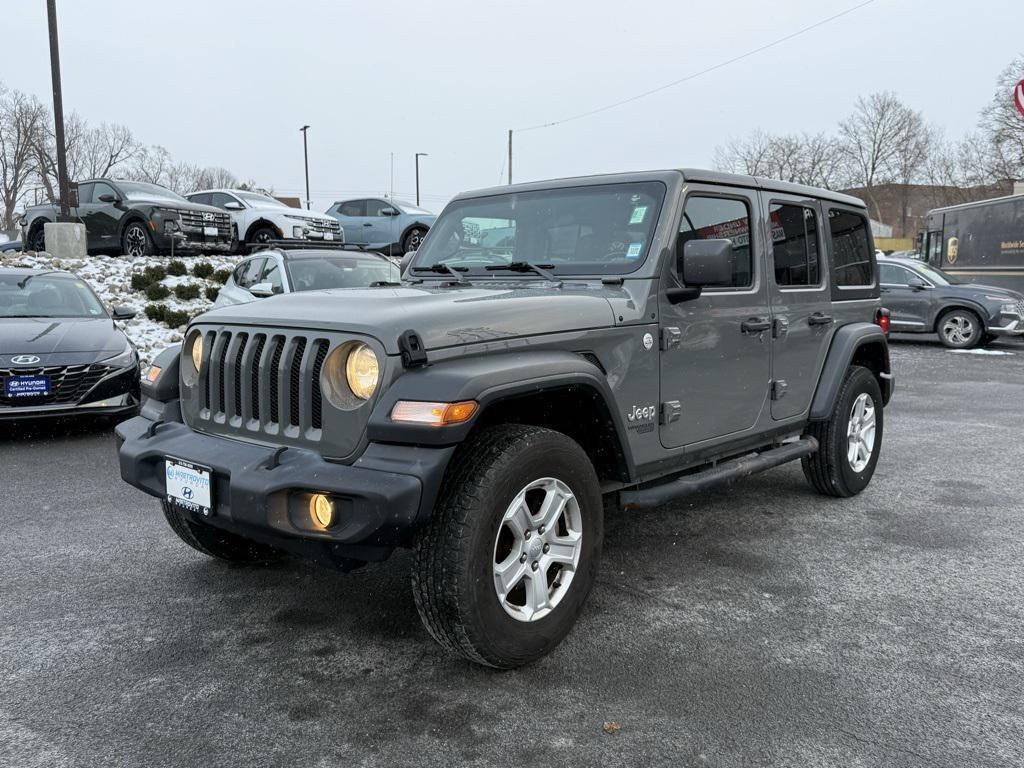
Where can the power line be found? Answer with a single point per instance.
(694, 75)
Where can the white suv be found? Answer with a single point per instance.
(259, 218)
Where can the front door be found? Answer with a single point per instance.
(802, 320)
(352, 216)
(101, 219)
(715, 364)
(909, 307)
(380, 226)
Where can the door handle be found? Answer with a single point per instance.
(819, 319)
(368, 224)
(755, 325)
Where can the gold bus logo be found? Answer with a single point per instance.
(952, 245)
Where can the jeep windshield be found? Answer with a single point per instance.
(591, 230)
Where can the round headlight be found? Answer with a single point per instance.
(197, 350)
(362, 371)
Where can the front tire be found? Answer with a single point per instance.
(260, 235)
(412, 239)
(216, 543)
(960, 329)
(37, 239)
(850, 440)
(502, 570)
(135, 240)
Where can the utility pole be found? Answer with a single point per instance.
(418, 156)
(509, 155)
(58, 115)
(305, 155)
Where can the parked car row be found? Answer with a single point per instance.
(139, 219)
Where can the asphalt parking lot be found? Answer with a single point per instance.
(763, 625)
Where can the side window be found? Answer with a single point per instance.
(851, 252)
(203, 198)
(890, 274)
(353, 208)
(248, 272)
(85, 193)
(272, 274)
(219, 198)
(99, 188)
(376, 207)
(714, 218)
(794, 245)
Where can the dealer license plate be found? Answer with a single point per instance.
(26, 386)
(189, 486)
(210, 231)
(328, 235)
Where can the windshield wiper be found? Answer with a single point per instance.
(443, 269)
(24, 282)
(526, 266)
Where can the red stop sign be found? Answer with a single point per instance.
(1018, 96)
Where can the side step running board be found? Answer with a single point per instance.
(726, 472)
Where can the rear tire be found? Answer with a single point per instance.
(840, 467)
(214, 542)
(506, 479)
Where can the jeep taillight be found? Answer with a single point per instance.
(882, 319)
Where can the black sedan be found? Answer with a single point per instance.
(61, 353)
(922, 299)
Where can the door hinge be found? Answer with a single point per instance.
(671, 411)
(779, 387)
(780, 327)
(671, 337)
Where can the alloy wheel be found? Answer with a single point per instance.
(537, 549)
(958, 329)
(860, 433)
(135, 241)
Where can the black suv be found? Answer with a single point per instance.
(137, 219)
(637, 337)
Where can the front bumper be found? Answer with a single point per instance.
(122, 405)
(380, 498)
(1012, 325)
(191, 241)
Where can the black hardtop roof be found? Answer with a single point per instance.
(976, 203)
(687, 174)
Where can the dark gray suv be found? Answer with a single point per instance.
(553, 348)
(922, 299)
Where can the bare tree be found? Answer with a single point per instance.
(801, 158)
(1002, 127)
(149, 164)
(21, 120)
(216, 178)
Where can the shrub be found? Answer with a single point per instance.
(176, 267)
(203, 269)
(157, 291)
(154, 274)
(186, 291)
(222, 275)
(175, 318)
(140, 282)
(211, 292)
(156, 312)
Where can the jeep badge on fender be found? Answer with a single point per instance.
(486, 411)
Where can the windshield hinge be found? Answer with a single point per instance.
(411, 347)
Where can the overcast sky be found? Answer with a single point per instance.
(229, 83)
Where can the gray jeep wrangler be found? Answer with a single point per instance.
(552, 348)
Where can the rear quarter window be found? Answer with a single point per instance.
(852, 252)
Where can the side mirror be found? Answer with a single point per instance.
(403, 264)
(123, 313)
(917, 284)
(109, 198)
(702, 263)
(262, 290)
(233, 205)
(388, 212)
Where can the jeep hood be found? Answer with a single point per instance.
(442, 316)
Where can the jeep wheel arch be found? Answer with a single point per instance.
(862, 344)
(547, 389)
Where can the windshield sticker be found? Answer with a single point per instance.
(638, 214)
(633, 252)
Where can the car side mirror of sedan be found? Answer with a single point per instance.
(123, 313)
(262, 290)
(233, 206)
(388, 212)
(918, 284)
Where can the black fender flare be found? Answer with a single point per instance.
(952, 302)
(488, 379)
(413, 225)
(164, 387)
(846, 341)
(129, 216)
(261, 222)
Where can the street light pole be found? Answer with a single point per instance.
(418, 156)
(58, 115)
(305, 157)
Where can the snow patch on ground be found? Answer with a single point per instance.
(979, 352)
(110, 277)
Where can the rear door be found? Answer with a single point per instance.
(715, 364)
(909, 308)
(802, 323)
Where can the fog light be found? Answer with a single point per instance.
(321, 509)
(299, 233)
